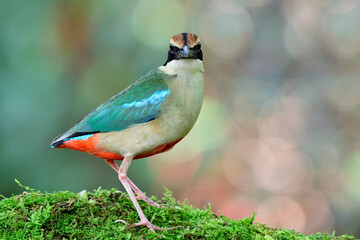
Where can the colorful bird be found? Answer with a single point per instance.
(149, 117)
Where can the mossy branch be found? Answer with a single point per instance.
(84, 215)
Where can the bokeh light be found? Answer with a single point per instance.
(282, 211)
(232, 40)
(154, 27)
(340, 31)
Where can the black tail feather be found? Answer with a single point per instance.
(57, 143)
(64, 137)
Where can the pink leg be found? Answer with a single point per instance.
(112, 164)
(122, 174)
(139, 194)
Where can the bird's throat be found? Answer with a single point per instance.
(183, 66)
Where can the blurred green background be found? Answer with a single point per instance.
(279, 132)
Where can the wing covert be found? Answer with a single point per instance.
(139, 103)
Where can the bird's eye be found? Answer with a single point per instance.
(173, 48)
(196, 47)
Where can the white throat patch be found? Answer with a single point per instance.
(183, 66)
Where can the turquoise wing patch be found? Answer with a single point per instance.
(139, 103)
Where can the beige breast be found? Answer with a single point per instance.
(177, 115)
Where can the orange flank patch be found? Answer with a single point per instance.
(89, 145)
(159, 149)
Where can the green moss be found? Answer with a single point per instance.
(66, 215)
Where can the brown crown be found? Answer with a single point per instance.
(182, 39)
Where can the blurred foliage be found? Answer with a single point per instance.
(279, 130)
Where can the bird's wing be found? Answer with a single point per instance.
(139, 103)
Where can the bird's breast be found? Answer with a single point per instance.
(177, 116)
(182, 108)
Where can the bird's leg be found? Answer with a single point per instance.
(122, 174)
(139, 194)
(142, 196)
(112, 164)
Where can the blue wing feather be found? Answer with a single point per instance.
(139, 103)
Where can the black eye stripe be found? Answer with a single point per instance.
(185, 52)
(176, 49)
(197, 47)
(173, 48)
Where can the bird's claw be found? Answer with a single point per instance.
(124, 222)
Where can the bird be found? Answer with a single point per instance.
(149, 117)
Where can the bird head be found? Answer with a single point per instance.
(184, 46)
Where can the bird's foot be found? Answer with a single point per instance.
(146, 223)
